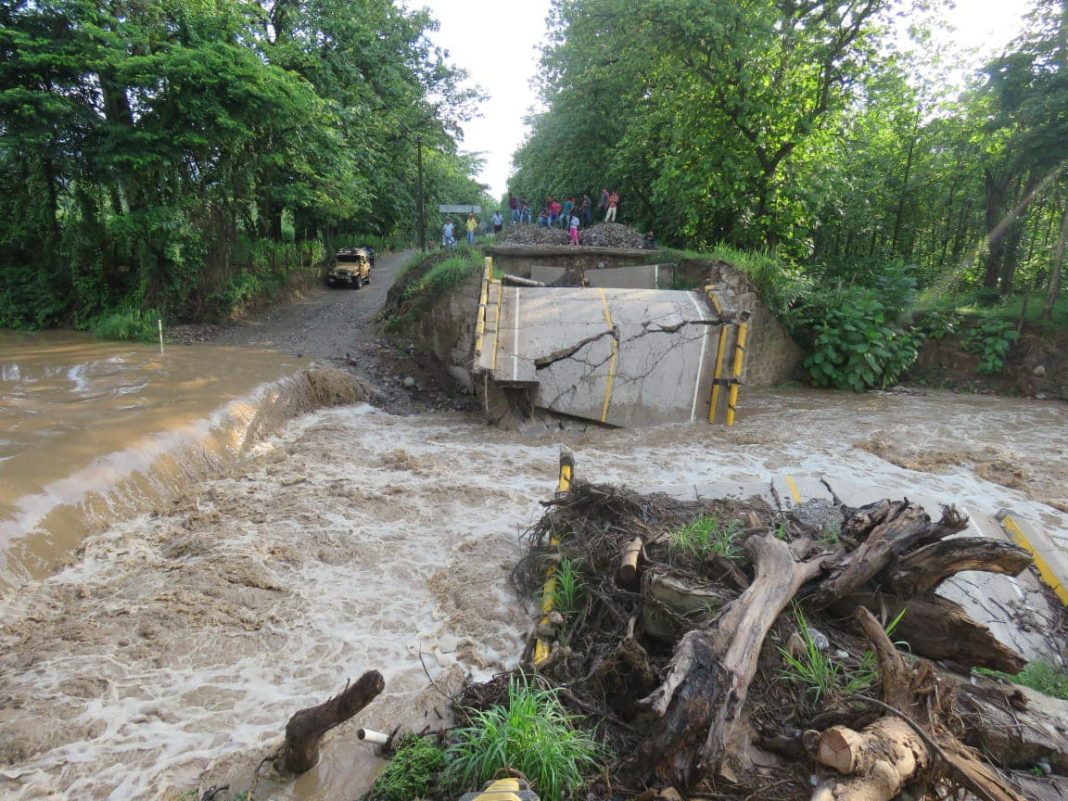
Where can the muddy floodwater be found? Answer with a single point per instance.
(91, 432)
(180, 642)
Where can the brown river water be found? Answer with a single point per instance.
(175, 642)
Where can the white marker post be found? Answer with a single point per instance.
(159, 322)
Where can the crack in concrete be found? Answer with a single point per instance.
(568, 352)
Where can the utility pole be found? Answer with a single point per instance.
(419, 191)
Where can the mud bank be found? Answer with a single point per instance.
(356, 539)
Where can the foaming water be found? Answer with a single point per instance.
(354, 539)
(95, 432)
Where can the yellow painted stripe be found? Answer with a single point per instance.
(1059, 587)
(611, 363)
(792, 486)
(717, 374)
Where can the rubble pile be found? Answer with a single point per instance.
(528, 234)
(727, 649)
(601, 235)
(610, 235)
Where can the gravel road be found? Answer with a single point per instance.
(333, 324)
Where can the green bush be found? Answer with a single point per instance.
(132, 325)
(990, 341)
(856, 345)
(533, 734)
(411, 772)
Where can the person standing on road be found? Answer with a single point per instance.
(573, 229)
(448, 239)
(613, 203)
(471, 226)
(498, 222)
(587, 209)
(603, 205)
(565, 218)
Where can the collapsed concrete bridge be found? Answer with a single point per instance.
(608, 343)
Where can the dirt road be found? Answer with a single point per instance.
(333, 324)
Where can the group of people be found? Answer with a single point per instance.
(569, 214)
(448, 230)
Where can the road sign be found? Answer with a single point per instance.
(458, 208)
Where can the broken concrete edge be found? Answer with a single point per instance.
(542, 649)
(1052, 566)
(572, 250)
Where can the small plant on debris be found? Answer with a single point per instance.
(567, 596)
(708, 535)
(820, 675)
(533, 734)
(411, 772)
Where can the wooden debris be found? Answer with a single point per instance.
(307, 727)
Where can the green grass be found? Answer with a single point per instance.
(819, 674)
(533, 734)
(1041, 676)
(567, 597)
(970, 305)
(132, 325)
(708, 534)
(411, 772)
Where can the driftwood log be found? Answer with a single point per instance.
(306, 728)
(882, 758)
(699, 704)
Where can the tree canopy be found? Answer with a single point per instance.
(181, 154)
(802, 127)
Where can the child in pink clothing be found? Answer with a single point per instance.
(573, 230)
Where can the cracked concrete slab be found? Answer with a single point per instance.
(620, 356)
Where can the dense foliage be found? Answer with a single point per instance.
(804, 130)
(189, 155)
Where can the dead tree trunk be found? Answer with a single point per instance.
(307, 727)
(938, 629)
(898, 527)
(888, 753)
(921, 571)
(700, 701)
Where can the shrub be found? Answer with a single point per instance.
(131, 325)
(533, 734)
(990, 341)
(411, 772)
(856, 346)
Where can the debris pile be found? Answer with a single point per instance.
(727, 649)
(601, 235)
(611, 235)
(528, 234)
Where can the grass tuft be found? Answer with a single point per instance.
(131, 325)
(708, 534)
(411, 772)
(570, 587)
(533, 734)
(819, 674)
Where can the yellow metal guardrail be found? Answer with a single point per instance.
(548, 593)
(733, 383)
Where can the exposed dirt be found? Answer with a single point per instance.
(339, 326)
(1036, 366)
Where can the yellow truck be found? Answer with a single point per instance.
(352, 268)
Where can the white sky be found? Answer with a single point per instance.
(497, 43)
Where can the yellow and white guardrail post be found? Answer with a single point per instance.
(548, 593)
